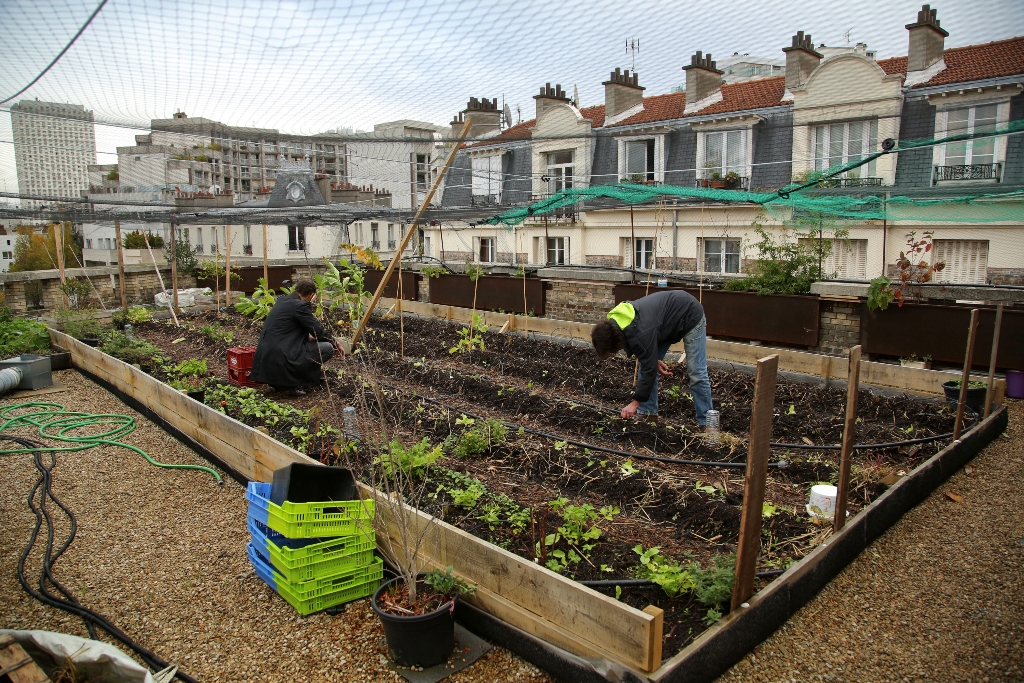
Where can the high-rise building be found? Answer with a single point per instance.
(54, 144)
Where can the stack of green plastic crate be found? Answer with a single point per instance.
(314, 555)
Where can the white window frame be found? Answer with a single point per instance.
(487, 249)
(486, 178)
(643, 253)
(558, 179)
(658, 175)
(822, 137)
(299, 234)
(746, 145)
(723, 254)
(998, 146)
(557, 245)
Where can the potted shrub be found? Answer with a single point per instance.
(419, 625)
(717, 181)
(975, 393)
(732, 179)
(913, 361)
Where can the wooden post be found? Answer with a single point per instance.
(266, 277)
(174, 271)
(58, 247)
(227, 267)
(992, 360)
(409, 233)
(965, 378)
(120, 265)
(145, 237)
(757, 474)
(852, 387)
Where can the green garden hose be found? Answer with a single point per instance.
(55, 422)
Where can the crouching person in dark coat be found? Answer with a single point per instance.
(293, 345)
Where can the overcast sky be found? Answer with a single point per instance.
(311, 65)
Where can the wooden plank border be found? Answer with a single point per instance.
(521, 593)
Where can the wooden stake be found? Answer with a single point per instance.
(965, 378)
(227, 267)
(409, 233)
(58, 244)
(120, 265)
(266, 277)
(757, 475)
(852, 387)
(145, 237)
(992, 360)
(174, 271)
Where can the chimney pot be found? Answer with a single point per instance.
(801, 60)
(703, 79)
(927, 40)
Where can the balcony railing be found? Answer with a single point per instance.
(392, 244)
(969, 172)
(199, 248)
(375, 245)
(740, 183)
(850, 182)
(247, 249)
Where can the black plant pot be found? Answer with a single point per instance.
(198, 394)
(90, 342)
(60, 360)
(975, 397)
(421, 640)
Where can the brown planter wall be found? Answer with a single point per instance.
(250, 278)
(410, 284)
(941, 332)
(775, 318)
(493, 293)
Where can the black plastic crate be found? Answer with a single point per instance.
(304, 483)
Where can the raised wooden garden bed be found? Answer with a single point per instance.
(493, 293)
(250, 278)
(410, 284)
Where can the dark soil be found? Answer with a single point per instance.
(563, 391)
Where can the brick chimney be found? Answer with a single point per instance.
(927, 40)
(702, 78)
(549, 97)
(621, 92)
(485, 115)
(801, 60)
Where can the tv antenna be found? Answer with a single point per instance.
(847, 35)
(633, 46)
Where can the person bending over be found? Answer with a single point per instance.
(646, 328)
(293, 345)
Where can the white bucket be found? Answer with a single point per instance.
(823, 501)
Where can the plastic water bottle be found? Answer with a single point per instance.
(711, 427)
(128, 331)
(351, 423)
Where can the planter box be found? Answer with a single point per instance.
(410, 284)
(250, 278)
(941, 332)
(493, 293)
(775, 318)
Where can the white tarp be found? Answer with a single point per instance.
(186, 297)
(93, 659)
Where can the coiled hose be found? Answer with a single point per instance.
(55, 422)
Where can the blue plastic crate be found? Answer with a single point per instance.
(309, 520)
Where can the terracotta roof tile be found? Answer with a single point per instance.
(971, 63)
(522, 131)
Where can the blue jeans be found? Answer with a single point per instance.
(320, 352)
(695, 343)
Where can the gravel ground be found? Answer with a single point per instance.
(936, 598)
(162, 554)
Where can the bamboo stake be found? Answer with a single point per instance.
(266, 277)
(992, 360)
(120, 265)
(757, 475)
(852, 387)
(409, 233)
(966, 376)
(145, 237)
(174, 271)
(227, 267)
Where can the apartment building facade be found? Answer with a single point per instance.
(832, 106)
(54, 144)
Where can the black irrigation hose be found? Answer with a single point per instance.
(68, 603)
(625, 583)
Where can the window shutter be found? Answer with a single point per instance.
(966, 260)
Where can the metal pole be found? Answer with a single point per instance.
(266, 278)
(757, 475)
(966, 376)
(409, 233)
(992, 361)
(852, 386)
(120, 265)
(174, 271)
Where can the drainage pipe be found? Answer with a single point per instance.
(10, 378)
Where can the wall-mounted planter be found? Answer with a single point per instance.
(410, 284)
(493, 293)
(775, 318)
(250, 276)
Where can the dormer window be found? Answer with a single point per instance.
(486, 179)
(642, 159)
(723, 156)
(837, 144)
(970, 159)
(559, 171)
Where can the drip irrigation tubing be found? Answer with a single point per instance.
(583, 444)
(55, 422)
(68, 603)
